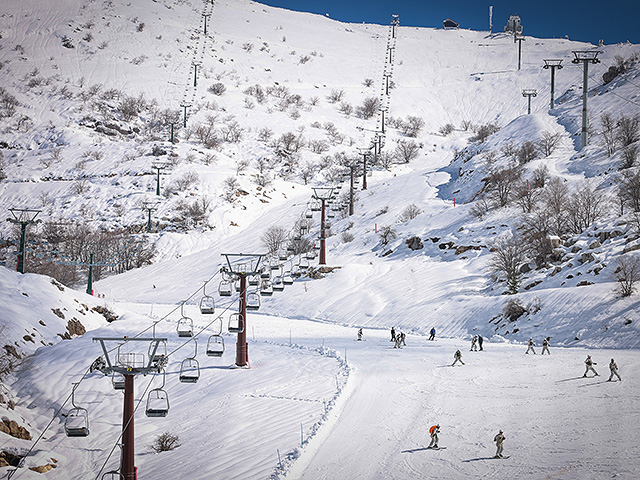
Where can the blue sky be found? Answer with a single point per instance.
(587, 20)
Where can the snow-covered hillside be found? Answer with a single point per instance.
(264, 106)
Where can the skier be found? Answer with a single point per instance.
(531, 345)
(499, 439)
(457, 357)
(402, 337)
(359, 334)
(480, 340)
(589, 363)
(474, 346)
(614, 371)
(433, 334)
(393, 334)
(434, 431)
(398, 340)
(545, 345)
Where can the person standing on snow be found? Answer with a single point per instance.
(457, 357)
(393, 334)
(499, 439)
(590, 363)
(359, 334)
(480, 340)
(398, 341)
(545, 345)
(531, 345)
(614, 371)
(433, 334)
(434, 431)
(402, 337)
(474, 346)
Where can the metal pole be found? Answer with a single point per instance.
(158, 180)
(382, 121)
(172, 133)
(519, 52)
(351, 192)
(23, 241)
(90, 279)
(529, 105)
(585, 79)
(185, 116)
(553, 82)
(128, 437)
(149, 221)
(195, 74)
(364, 172)
(323, 258)
(242, 347)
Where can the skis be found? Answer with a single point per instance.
(436, 448)
(502, 458)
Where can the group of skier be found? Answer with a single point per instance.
(545, 346)
(435, 430)
(398, 338)
(613, 368)
(476, 342)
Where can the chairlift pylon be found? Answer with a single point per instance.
(190, 367)
(77, 422)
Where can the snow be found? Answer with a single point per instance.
(316, 403)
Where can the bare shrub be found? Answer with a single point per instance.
(446, 129)
(217, 88)
(627, 130)
(409, 213)
(629, 191)
(346, 108)
(627, 274)
(501, 183)
(540, 176)
(185, 181)
(335, 96)
(232, 132)
(483, 132)
(480, 208)
(586, 206)
(318, 146)
(629, 156)
(247, 47)
(527, 152)
(347, 237)
(608, 132)
(406, 150)
(548, 142)
(8, 103)
(368, 108)
(386, 234)
(412, 126)
(525, 197)
(165, 442)
(80, 186)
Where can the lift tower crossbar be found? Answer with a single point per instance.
(585, 57)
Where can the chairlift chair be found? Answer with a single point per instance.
(190, 367)
(266, 289)
(253, 301)
(274, 263)
(304, 262)
(331, 214)
(225, 289)
(215, 346)
(282, 255)
(112, 475)
(316, 206)
(265, 273)
(287, 278)
(311, 254)
(278, 284)
(207, 304)
(117, 380)
(77, 422)
(236, 323)
(254, 280)
(185, 327)
(236, 285)
(158, 401)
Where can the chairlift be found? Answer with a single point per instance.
(207, 304)
(316, 205)
(226, 288)
(77, 422)
(117, 380)
(282, 255)
(311, 254)
(158, 401)
(254, 280)
(287, 278)
(278, 284)
(160, 352)
(215, 346)
(190, 367)
(236, 323)
(253, 301)
(112, 475)
(185, 326)
(304, 262)
(327, 224)
(308, 214)
(274, 263)
(265, 274)
(266, 289)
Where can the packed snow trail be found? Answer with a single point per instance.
(557, 424)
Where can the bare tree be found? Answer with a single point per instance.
(406, 150)
(629, 191)
(548, 142)
(629, 156)
(165, 442)
(555, 198)
(608, 132)
(508, 255)
(540, 176)
(627, 274)
(526, 197)
(535, 230)
(412, 126)
(628, 130)
(368, 108)
(386, 234)
(586, 206)
(274, 238)
(527, 152)
(500, 184)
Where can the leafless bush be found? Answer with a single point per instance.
(304, 59)
(346, 108)
(335, 96)
(318, 146)
(501, 183)
(385, 160)
(185, 181)
(8, 103)
(314, 100)
(480, 208)
(290, 142)
(165, 442)
(509, 253)
(586, 205)
(217, 88)
(264, 134)
(80, 186)
(257, 92)
(131, 107)
(627, 130)
(540, 176)
(369, 108)
(347, 237)
(627, 274)
(231, 186)
(406, 150)
(629, 191)
(629, 156)
(525, 197)
(608, 132)
(446, 129)
(386, 234)
(483, 132)
(527, 152)
(409, 213)
(232, 132)
(247, 47)
(412, 126)
(548, 142)
(194, 213)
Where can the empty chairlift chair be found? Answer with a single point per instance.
(274, 263)
(112, 475)
(158, 401)
(117, 380)
(158, 357)
(226, 288)
(215, 346)
(236, 323)
(185, 327)
(278, 284)
(304, 263)
(207, 305)
(266, 288)
(190, 367)
(77, 422)
(253, 301)
(287, 278)
(254, 280)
